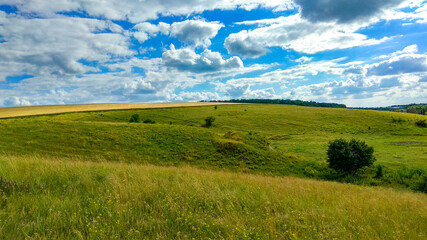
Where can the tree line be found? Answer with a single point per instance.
(284, 101)
(417, 109)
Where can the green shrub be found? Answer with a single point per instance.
(379, 171)
(421, 123)
(349, 156)
(135, 119)
(209, 121)
(149, 121)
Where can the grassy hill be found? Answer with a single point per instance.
(98, 176)
(109, 200)
(269, 139)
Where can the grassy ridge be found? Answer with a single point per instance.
(141, 143)
(299, 130)
(107, 200)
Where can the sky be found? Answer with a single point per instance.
(361, 53)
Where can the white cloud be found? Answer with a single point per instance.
(406, 63)
(196, 96)
(16, 101)
(365, 92)
(138, 11)
(147, 30)
(198, 32)
(243, 90)
(355, 70)
(297, 34)
(56, 46)
(417, 15)
(409, 49)
(303, 59)
(153, 29)
(141, 36)
(186, 59)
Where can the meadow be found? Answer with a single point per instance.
(108, 200)
(258, 165)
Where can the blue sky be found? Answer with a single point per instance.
(357, 52)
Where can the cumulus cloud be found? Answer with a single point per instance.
(58, 45)
(147, 30)
(16, 101)
(344, 11)
(297, 34)
(198, 32)
(367, 92)
(196, 96)
(355, 70)
(418, 15)
(303, 59)
(186, 59)
(409, 49)
(138, 11)
(282, 77)
(243, 90)
(245, 44)
(406, 63)
(153, 29)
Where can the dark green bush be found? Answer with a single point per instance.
(349, 156)
(379, 172)
(421, 123)
(149, 121)
(135, 119)
(209, 121)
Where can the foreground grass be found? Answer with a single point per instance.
(107, 200)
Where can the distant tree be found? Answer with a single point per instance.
(349, 156)
(209, 121)
(418, 109)
(135, 119)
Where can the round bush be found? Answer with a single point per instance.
(135, 119)
(349, 156)
(209, 121)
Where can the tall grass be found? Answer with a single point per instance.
(110, 200)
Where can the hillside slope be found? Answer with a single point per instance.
(106, 200)
(268, 139)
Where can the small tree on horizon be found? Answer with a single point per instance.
(349, 156)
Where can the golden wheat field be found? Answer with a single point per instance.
(6, 112)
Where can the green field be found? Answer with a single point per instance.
(88, 200)
(97, 163)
